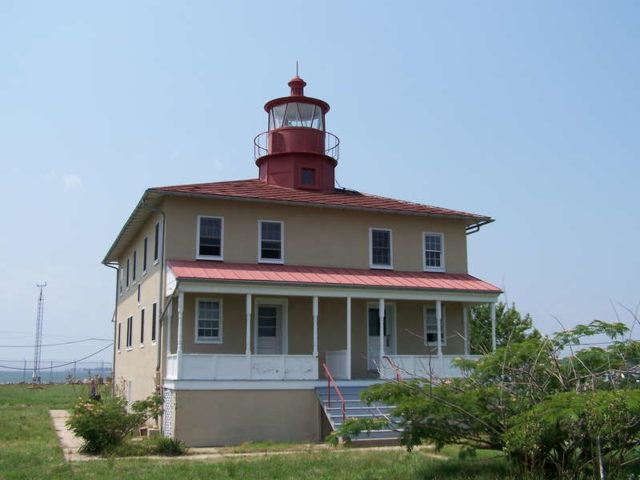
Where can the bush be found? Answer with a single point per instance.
(169, 447)
(103, 424)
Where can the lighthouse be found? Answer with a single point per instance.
(297, 151)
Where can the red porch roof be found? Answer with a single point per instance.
(211, 270)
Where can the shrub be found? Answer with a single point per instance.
(169, 446)
(103, 424)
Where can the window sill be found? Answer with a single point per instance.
(213, 340)
(435, 344)
(381, 267)
(156, 261)
(141, 345)
(144, 272)
(271, 260)
(434, 269)
(207, 257)
(153, 343)
(129, 349)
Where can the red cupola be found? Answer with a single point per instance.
(297, 151)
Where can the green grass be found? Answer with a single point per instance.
(29, 450)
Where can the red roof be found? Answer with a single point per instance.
(212, 270)
(258, 190)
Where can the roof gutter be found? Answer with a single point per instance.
(475, 227)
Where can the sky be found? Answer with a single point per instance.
(525, 111)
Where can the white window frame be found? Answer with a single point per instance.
(142, 326)
(145, 254)
(443, 326)
(267, 301)
(129, 334)
(157, 245)
(154, 323)
(134, 266)
(271, 260)
(375, 265)
(441, 268)
(214, 340)
(210, 257)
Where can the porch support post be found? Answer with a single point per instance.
(439, 326)
(167, 335)
(247, 350)
(492, 309)
(315, 326)
(381, 317)
(465, 320)
(348, 362)
(180, 324)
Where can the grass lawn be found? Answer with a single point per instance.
(29, 450)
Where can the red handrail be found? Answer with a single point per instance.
(395, 368)
(330, 381)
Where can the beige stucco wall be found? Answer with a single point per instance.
(312, 235)
(332, 334)
(229, 417)
(137, 364)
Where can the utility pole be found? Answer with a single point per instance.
(35, 377)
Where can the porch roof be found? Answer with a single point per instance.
(293, 274)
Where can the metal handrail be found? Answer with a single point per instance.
(395, 369)
(330, 381)
(331, 145)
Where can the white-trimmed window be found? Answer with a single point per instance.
(156, 243)
(210, 237)
(271, 241)
(431, 327)
(433, 251)
(134, 266)
(128, 265)
(380, 248)
(142, 327)
(208, 320)
(129, 332)
(145, 251)
(154, 323)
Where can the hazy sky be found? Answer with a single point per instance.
(525, 111)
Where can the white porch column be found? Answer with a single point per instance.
(439, 326)
(465, 320)
(348, 366)
(381, 317)
(247, 350)
(315, 326)
(179, 344)
(492, 307)
(167, 335)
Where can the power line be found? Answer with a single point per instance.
(62, 364)
(57, 344)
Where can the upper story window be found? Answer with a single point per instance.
(308, 176)
(209, 320)
(433, 244)
(142, 327)
(128, 276)
(129, 332)
(380, 248)
(431, 327)
(271, 241)
(154, 323)
(133, 268)
(156, 243)
(210, 237)
(145, 249)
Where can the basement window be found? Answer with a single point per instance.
(208, 320)
(271, 234)
(210, 238)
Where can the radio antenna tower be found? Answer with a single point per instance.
(35, 378)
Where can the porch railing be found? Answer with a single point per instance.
(332, 383)
(194, 366)
(422, 366)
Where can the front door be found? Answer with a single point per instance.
(373, 334)
(269, 329)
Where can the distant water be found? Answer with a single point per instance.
(55, 376)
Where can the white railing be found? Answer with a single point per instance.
(195, 366)
(421, 366)
(336, 361)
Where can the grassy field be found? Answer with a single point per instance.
(29, 450)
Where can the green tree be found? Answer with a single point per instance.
(511, 326)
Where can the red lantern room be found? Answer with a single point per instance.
(297, 151)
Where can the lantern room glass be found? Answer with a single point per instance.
(296, 114)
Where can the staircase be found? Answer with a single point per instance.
(354, 408)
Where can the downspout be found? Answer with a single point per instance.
(114, 320)
(160, 290)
